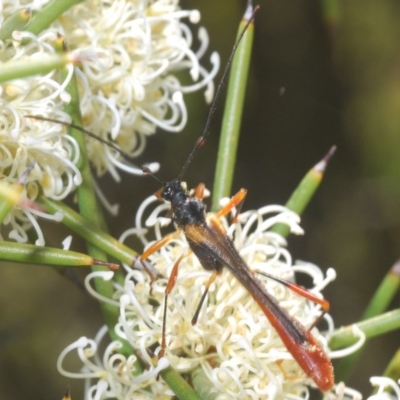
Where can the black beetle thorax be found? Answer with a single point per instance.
(186, 208)
(189, 211)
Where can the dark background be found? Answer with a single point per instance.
(341, 79)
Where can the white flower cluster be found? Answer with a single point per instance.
(233, 342)
(384, 389)
(129, 51)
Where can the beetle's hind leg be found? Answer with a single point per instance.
(170, 285)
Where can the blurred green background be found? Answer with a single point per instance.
(322, 73)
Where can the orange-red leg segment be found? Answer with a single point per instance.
(199, 191)
(304, 293)
(236, 201)
(170, 285)
(154, 247)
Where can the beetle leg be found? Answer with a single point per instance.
(153, 248)
(302, 291)
(203, 297)
(199, 191)
(236, 201)
(170, 285)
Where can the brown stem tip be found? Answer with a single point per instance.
(112, 266)
(321, 165)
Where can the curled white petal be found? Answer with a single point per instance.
(383, 383)
(67, 242)
(163, 363)
(113, 209)
(342, 392)
(85, 348)
(353, 348)
(106, 275)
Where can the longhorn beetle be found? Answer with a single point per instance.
(208, 240)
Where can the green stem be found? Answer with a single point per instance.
(178, 385)
(385, 293)
(29, 253)
(381, 299)
(48, 14)
(233, 114)
(205, 389)
(372, 327)
(15, 22)
(393, 369)
(89, 231)
(89, 208)
(305, 191)
(22, 69)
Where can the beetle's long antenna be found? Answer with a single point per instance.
(200, 141)
(86, 132)
(147, 171)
